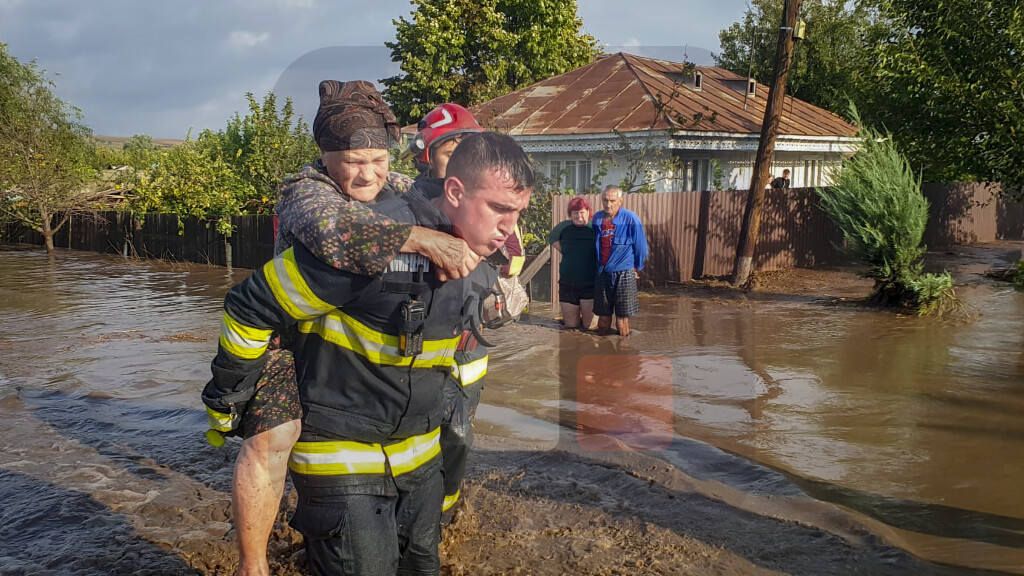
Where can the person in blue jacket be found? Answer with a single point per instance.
(621, 253)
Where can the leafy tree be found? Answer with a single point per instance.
(535, 221)
(139, 142)
(192, 179)
(828, 66)
(949, 83)
(45, 153)
(264, 146)
(467, 52)
(233, 171)
(877, 203)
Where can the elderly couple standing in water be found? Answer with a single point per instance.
(373, 304)
(601, 261)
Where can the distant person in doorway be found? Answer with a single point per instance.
(782, 182)
(622, 250)
(575, 239)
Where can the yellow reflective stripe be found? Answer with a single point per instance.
(290, 289)
(336, 457)
(470, 372)
(241, 340)
(350, 457)
(411, 453)
(515, 265)
(345, 331)
(219, 421)
(449, 501)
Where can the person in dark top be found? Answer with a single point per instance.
(782, 182)
(576, 240)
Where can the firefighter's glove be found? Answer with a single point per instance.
(224, 412)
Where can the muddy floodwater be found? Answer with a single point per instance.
(899, 435)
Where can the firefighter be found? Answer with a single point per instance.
(439, 133)
(372, 356)
(323, 207)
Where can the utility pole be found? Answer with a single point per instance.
(766, 146)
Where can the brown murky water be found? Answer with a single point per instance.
(914, 424)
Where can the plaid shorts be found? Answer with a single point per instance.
(277, 396)
(615, 292)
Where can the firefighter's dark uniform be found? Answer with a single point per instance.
(462, 391)
(367, 465)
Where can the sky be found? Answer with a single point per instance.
(162, 68)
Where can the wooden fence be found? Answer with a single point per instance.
(164, 236)
(691, 234)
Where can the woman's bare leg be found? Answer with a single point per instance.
(256, 493)
(587, 314)
(570, 314)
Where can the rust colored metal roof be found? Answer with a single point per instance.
(621, 92)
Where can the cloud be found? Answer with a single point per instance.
(158, 67)
(290, 4)
(242, 39)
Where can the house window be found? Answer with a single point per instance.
(574, 174)
(698, 81)
(812, 173)
(693, 174)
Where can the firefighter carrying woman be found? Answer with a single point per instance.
(324, 229)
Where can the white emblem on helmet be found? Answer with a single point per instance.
(443, 121)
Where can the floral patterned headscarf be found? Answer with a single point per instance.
(353, 115)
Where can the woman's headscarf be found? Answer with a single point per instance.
(353, 115)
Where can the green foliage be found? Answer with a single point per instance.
(220, 174)
(402, 165)
(139, 143)
(949, 82)
(828, 66)
(932, 294)
(877, 203)
(535, 222)
(193, 180)
(263, 147)
(45, 152)
(467, 52)
(1018, 276)
(644, 164)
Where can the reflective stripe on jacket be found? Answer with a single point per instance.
(354, 382)
(347, 457)
(469, 372)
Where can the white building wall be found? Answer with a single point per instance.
(807, 169)
(736, 169)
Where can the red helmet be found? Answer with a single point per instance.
(443, 123)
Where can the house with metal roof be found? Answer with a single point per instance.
(675, 126)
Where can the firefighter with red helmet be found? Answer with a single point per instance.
(438, 133)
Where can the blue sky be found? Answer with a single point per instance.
(159, 68)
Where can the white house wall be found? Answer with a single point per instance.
(807, 167)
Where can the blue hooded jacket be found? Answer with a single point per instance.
(629, 246)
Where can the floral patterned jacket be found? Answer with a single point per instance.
(346, 234)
